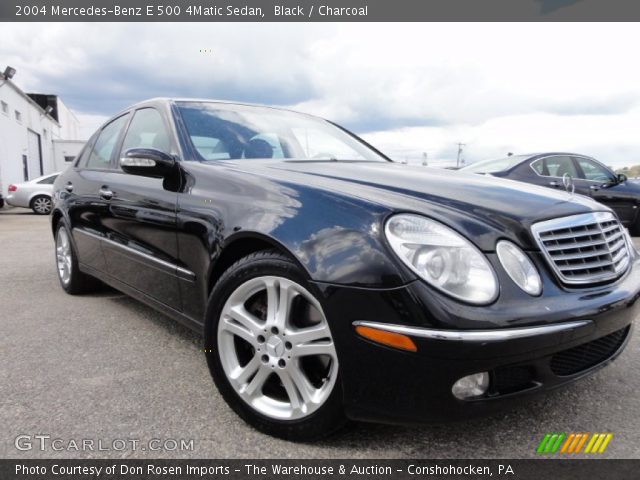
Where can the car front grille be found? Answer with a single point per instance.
(582, 357)
(583, 249)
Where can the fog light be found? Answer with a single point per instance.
(471, 386)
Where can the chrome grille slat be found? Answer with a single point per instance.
(585, 248)
(609, 228)
(572, 235)
(585, 266)
(576, 256)
(571, 246)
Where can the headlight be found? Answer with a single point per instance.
(442, 257)
(519, 267)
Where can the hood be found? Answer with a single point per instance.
(481, 207)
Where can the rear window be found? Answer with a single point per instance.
(48, 180)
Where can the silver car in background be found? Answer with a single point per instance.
(35, 194)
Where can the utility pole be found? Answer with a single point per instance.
(424, 159)
(460, 145)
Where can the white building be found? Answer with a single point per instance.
(38, 134)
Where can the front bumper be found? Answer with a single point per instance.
(555, 345)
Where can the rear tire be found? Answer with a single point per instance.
(259, 359)
(41, 204)
(72, 280)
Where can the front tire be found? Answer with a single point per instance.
(270, 351)
(41, 204)
(72, 280)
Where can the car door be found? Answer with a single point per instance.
(551, 170)
(84, 188)
(605, 188)
(141, 247)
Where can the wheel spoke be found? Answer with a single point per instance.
(255, 386)
(320, 348)
(273, 298)
(240, 314)
(291, 389)
(309, 335)
(239, 331)
(302, 385)
(287, 294)
(241, 375)
(280, 295)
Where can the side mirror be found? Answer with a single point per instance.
(147, 162)
(622, 178)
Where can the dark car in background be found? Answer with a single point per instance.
(331, 283)
(589, 177)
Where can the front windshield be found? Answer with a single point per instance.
(221, 131)
(494, 165)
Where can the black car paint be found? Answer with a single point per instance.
(623, 197)
(166, 241)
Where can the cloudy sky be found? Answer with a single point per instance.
(407, 88)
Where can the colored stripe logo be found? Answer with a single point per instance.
(573, 443)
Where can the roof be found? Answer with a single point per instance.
(212, 100)
(33, 103)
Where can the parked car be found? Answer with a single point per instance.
(331, 283)
(1, 200)
(35, 194)
(589, 177)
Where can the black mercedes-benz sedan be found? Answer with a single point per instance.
(573, 172)
(331, 283)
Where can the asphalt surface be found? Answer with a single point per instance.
(106, 367)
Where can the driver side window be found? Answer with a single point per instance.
(593, 171)
(147, 130)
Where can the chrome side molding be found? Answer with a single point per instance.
(162, 264)
(474, 335)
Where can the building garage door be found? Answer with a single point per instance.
(34, 155)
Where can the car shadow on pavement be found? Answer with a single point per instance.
(157, 318)
(19, 211)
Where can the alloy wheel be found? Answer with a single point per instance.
(42, 205)
(63, 256)
(276, 348)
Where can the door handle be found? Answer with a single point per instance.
(105, 193)
(594, 187)
(69, 187)
(553, 184)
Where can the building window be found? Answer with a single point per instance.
(5, 107)
(69, 158)
(18, 116)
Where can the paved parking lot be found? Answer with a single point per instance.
(106, 367)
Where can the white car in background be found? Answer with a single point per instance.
(35, 194)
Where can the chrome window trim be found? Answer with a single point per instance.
(474, 335)
(576, 221)
(570, 156)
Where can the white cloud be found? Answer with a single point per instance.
(418, 87)
(611, 138)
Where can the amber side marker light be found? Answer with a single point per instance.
(391, 339)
